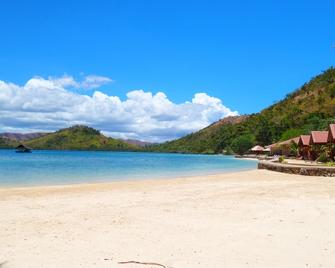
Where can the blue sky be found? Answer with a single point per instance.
(248, 54)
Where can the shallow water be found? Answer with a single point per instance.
(67, 167)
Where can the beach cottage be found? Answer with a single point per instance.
(331, 140)
(331, 133)
(304, 145)
(318, 139)
(284, 147)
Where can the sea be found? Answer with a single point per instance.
(44, 167)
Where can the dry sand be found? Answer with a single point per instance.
(247, 219)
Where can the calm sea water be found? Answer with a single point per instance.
(67, 167)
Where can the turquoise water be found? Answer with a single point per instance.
(67, 167)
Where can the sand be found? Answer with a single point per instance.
(246, 219)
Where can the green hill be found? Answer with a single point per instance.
(311, 107)
(79, 138)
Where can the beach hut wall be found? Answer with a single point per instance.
(331, 133)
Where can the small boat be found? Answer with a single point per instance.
(23, 149)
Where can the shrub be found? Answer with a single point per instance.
(281, 159)
(323, 157)
(294, 149)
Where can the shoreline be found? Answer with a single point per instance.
(107, 181)
(119, 183)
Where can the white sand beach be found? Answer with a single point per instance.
(245, 219)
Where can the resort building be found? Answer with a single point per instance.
(283, 147)
(307, 147)
(304, 145)
(331, 139)
(318, 139)
(331, 133)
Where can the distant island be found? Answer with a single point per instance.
(73, 138)
(311, 107)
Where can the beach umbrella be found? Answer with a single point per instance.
(257, 148)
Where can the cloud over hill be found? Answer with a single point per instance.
(48, 104)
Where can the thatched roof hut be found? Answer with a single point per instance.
(257, 149)
(283, 147)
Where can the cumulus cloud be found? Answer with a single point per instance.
(46, 104)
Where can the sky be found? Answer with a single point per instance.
(155, 70)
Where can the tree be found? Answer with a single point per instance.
(291, 133)
(264, 133)
(242, 144)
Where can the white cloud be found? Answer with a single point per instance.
(88, 82)
(95, 81)
(65, 81)
(46, 104)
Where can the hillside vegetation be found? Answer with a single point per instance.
(311, 107)
(79, 138)
(6, 143)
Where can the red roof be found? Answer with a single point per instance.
(331, 136)
(319, 137)
(305, 140)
